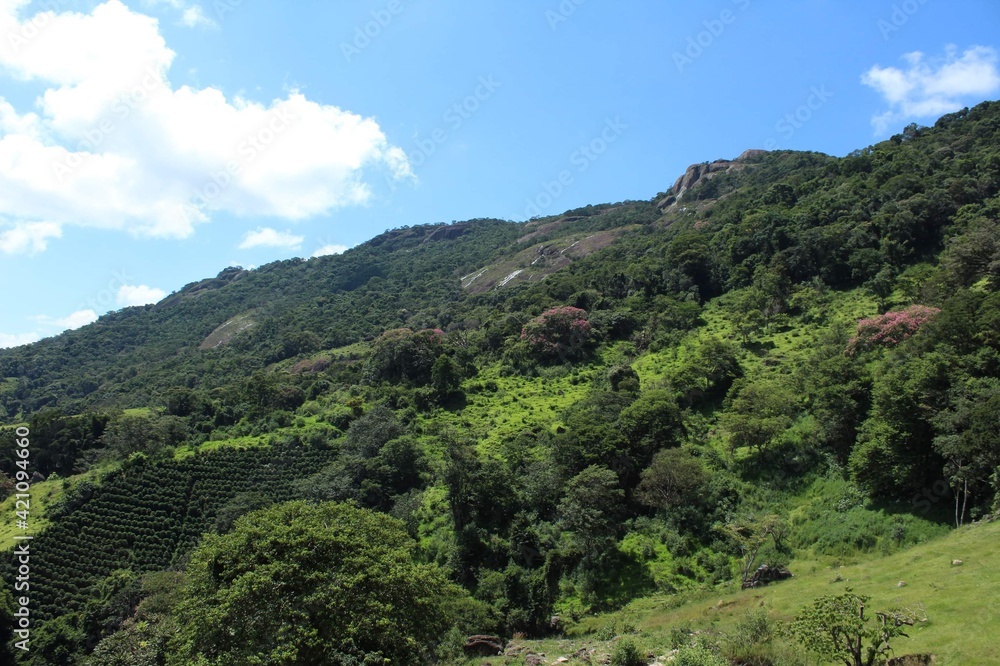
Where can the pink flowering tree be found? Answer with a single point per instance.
(889, 329)
(561, 333)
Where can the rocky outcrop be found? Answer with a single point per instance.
(766, 574)
(483, 646)
(448, 232)
(195, 289)
(698, 173)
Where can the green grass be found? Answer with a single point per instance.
(519, 403)
(43, 495)
(138, 411)
(182, 452)
(962, 603)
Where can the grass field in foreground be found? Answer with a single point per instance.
(962, 603)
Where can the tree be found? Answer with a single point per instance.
(558, 334)
(968, 439)
(891, 328)
(589, 509)
(142, 434)
(673, 478)
(837, 629)
(750, 534)
(446, 377)
(308, 584)
(404, 355)
(759, 413)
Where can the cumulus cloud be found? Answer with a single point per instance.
(930, 87)
(327, 250)
(111, 143)
(266, 237)
(28, 237)
(76, 320)
(8, 340)
(129, 295)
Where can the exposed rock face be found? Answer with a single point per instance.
(447, 232)
(765, 575)
(483, 646)
(696, 173)
(195, 289)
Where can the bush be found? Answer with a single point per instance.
(749, 639)
(626, 653)
(698, 655)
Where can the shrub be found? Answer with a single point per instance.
(698, 655)
(751, 632)
(626, 653)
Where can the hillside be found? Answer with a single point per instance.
(959, 604)
(786, 358)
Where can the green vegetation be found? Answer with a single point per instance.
(798, 367)
(341, 581)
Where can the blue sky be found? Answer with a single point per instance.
(145, 144)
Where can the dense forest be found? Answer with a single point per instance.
(495, 428)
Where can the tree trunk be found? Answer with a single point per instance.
(965, 500)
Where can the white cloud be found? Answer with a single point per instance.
(129, 295)
(192, 15)
(8, 340)
(266, 237)
(28, 237)
(52, 325)
(111, 143)
(930, 87)
(330, 249)
(77, 319)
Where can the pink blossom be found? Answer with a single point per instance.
(890, 329)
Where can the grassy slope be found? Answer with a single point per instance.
(962, 603)
(43, 495)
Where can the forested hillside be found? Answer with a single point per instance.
(493, 428)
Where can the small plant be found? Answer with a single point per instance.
(839, 628)
(626, 653)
